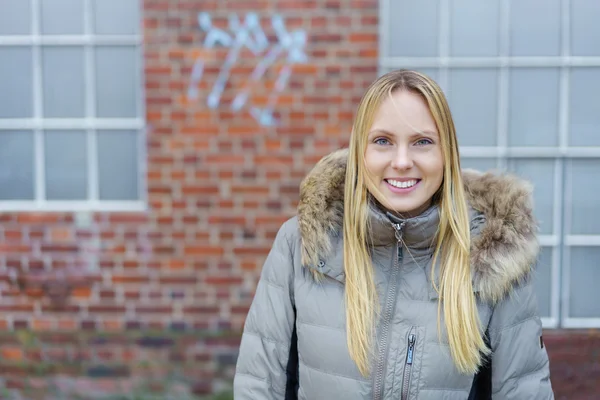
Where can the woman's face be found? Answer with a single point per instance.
(403, 154)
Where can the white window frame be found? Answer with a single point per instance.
(559, 241)
(90, 123)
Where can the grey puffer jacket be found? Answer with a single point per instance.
(294, 341)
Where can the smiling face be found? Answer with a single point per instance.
(403, 155)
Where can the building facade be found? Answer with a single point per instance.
(150, 150)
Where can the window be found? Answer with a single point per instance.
(525, 99)
(71, 110)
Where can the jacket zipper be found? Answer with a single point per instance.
(388, 312)
(412, 338)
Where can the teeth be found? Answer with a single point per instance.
(402, 185)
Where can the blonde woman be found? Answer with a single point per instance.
(401, 277)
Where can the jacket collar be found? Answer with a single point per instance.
(504, 245)
(418, 233)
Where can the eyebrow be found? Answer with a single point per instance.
(386, 132)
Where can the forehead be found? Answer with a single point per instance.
(403, 111)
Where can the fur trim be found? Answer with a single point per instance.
(502, 254)
(506, 248)
(321, 207)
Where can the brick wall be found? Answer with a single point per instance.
(116, 301)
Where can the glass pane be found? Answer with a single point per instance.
(15, 17)
(63, 81)
(585, 196)
(62, 17)
(413, 28)
(585, 275)
(541, 174)
(66, 165)
(479, 164)
(585, 29)
(118, 165)
(533, 107)
(474, 27)
(16, 82)
(543, 281)
(117, 83)
(16, 165)
(116, 17)
(433, 73)
(473, 98)
(541, 38)
(584, 107)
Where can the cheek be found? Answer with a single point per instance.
(374, 163)
(435, 168)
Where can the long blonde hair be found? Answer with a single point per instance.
(455, 288)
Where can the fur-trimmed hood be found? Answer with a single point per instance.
(502, 253)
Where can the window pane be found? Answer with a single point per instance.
(473, 97)
(585, 29)
(117, 84)
(541, 174)
(66, 165)
(433, 73)
(541, 38)
(63, 81)
(118, 165)
(584, 107)
(62, 17)
(116, 17)
(15, 17)
(480, 164)
(543, 281)
(585, 196)
(413, 28)
(16, 86)
(533, 107)
(474, 27)
(585, 275)
(16, 165)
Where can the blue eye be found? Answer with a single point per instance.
(381, 141)
(423, 142)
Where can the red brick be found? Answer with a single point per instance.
(227, 220)
(201, 310)
(154, 309)
(203, 251)
(39, 218)
(11, 354)
(128, 218)
(16, 248)
(13, 234)
(130, 279)
(249, 190)
(245, 251)
(200, 190)
(223, 280)
(178, 280)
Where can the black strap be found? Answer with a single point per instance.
(481, 389)
(291, 387)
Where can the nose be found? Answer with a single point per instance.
(402, 159)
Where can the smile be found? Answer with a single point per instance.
(402, 184)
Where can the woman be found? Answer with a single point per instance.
(402, 277)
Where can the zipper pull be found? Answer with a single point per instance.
(411, 349)
(398, 233)
(398, 230)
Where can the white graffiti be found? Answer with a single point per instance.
(250, 35)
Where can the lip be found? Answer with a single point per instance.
(398, 190)
(402, 179)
